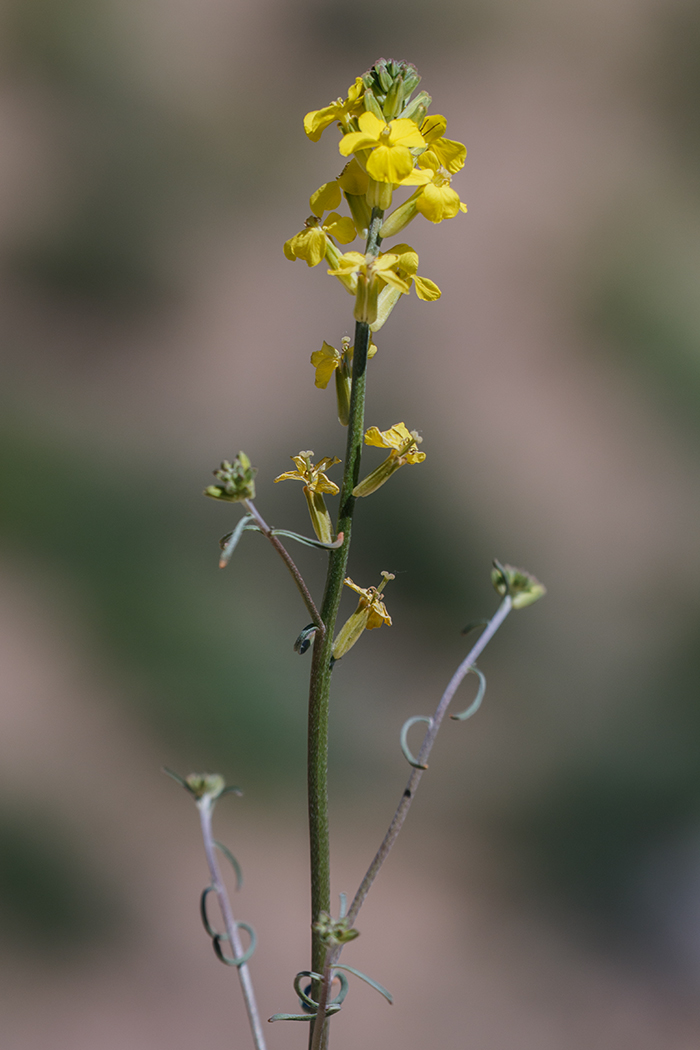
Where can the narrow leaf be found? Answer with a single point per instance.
(476, 702)
(407, 753)
(230, 542)
(373, 984)
(232, 861)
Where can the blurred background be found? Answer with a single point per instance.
(546, 891)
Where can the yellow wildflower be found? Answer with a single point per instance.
(441, 152)
(390, 158)
(342, 110)
(406, 269)
(328, 360)
(404, 449)
(315, 484)
(372, 273)
(436, 200)
(370, 613)
(311, 244)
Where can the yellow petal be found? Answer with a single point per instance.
(289, 475)
(431, 203)
(348, 263)
(395, 437)
(355, 141)
(405, 132)
(390, 163)
(417, 177)
(433, 127)
(316, 122)
(353, 179)
(413, 457)
(450, 154)
(327, 462)
(353, 587)
(356, 91)
(407, 258)
(325, 361)
(374, 436)
(325, 198)
(371, 125)
(392, 278)
(340, 227)
(324, 484)
(309, 245)
(378, 615)
(426, 290)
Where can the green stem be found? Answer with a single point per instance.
(321, 667)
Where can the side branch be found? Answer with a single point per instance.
(289, 562)
(426, 747)
(204, 805)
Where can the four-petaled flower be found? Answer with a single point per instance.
(389, 145)
(328, 360)
(446, 152)
(370, 613)
(342, 110)
(369, 274)
(404, 449)
(311, 243)
(315, 484)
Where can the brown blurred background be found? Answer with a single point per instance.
(546, 892)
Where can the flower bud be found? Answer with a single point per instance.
(522, 586)
(379, 194)
(201, 784)
(236, 480)
(400, 218)
(417, 108)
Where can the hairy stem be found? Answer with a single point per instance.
(319, 688)
(319, 1032)
(205, 807)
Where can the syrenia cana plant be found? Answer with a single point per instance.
(392, 144)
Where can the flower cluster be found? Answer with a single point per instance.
(390, 144)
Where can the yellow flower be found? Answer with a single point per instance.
(390, 158)
(446, 153)
(435, 200)
(315, 484)
(312, 242)
(328, 360)
(370, 613)
(342, 110)
(372, 274)
(406, 269)
(404, 449)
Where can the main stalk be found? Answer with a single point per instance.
(321, 668)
